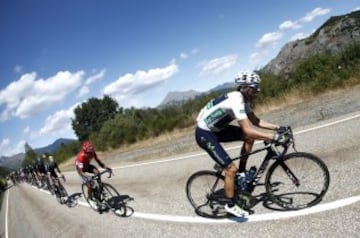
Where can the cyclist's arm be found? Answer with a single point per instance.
(102, 165)
(261, 123)
(252, 133)
(57, 168)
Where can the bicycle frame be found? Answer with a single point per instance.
(272, 153)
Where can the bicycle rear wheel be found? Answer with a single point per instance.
(113, 200)
(205, 192)
(298, 181)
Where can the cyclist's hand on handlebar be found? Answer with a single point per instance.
(110, 171)
(283, 129)
(281, 138)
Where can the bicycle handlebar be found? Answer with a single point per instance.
(109, 171)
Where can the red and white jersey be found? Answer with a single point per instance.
(83, 159)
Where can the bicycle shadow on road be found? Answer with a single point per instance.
(72, 200)
(119, 203)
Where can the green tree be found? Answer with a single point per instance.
(91, 115)
(30, 155)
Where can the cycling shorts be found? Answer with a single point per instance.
(210, 142)
(88, 168)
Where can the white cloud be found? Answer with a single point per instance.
(310, 16)
(356, 9)
(18, 69)
(27, 130)
(286, 25)
(30, 95)
(269, 39)
(58, 123)
(194, 51)
(83, 91)
(130, 85)
(258, 56)
(95, 77)
(4, 144)
(7, 149)
(183, 56)
(218, 65)
(299, 36)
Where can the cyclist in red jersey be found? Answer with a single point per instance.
(84, 166)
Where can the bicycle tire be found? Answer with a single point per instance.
(312, 174)
(204, 190)
(62, 194)
(111, 198)
(86, 197)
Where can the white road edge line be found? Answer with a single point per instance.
(7, 215)
(253, 218)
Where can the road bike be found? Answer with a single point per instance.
(294, 181)
(59, 190)
(104, 196)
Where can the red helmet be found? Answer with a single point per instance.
(88, 147)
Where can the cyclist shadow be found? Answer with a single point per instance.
(119, 203)
(264, 199)
(72, 200)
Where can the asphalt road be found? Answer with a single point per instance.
(162, 210)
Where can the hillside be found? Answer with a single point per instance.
(332, 37)
(14, 162)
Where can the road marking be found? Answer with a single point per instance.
(234, 147)
(6, 214)
(251, 218)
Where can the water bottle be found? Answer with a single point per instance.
(241, 181)
(249, 176)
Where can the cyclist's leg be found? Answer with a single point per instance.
(90, 169)
(209, 142)
(235, 133)
(246, 148)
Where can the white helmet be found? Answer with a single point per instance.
(51, 158)
(250, 79)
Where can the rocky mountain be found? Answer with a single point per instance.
(15, 161)
(176, 98)
(332, 37)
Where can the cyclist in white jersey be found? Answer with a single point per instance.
(215, 125)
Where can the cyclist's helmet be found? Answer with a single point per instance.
(250, 79)
(51, 158)
(87, 147)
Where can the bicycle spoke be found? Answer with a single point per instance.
(205, 190)
(299, 181)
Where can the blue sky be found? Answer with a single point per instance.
(57, 54)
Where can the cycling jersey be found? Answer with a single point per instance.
(40, 167)
(221, 111)
(50, 168)
(83, 160)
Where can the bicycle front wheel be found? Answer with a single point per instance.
(62, 194)
(91, 203)
(113, 200)
(205, 192)
(298, 181)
